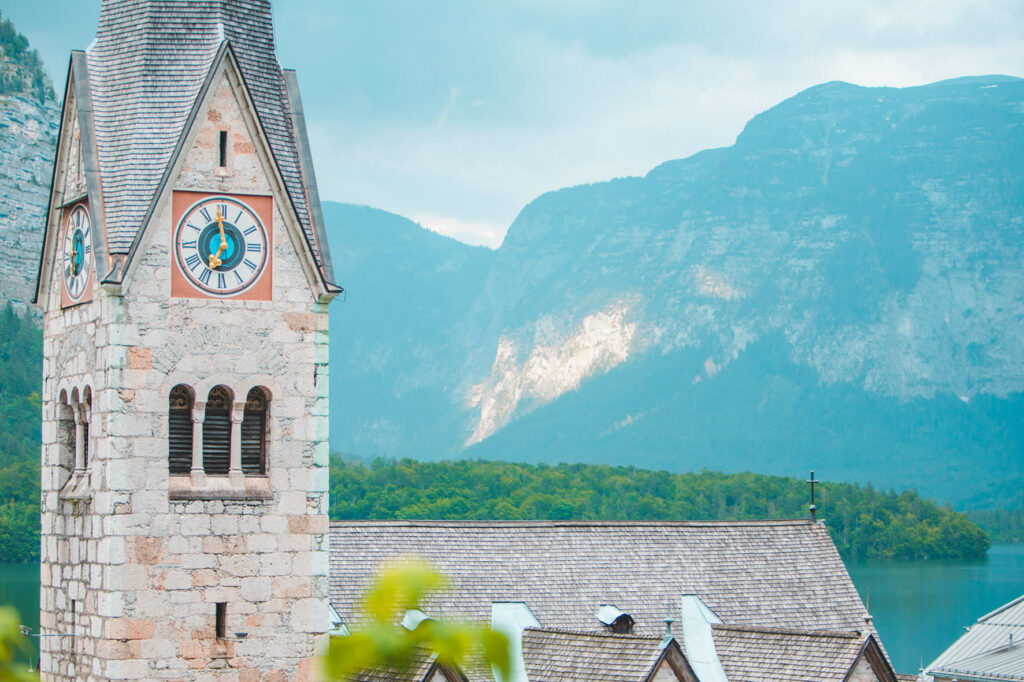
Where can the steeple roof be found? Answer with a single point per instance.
(147, 66)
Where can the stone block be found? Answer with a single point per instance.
(309, 615)
(256, 589)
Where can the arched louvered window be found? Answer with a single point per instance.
(179, 430)
(217, 432)
(254, 432)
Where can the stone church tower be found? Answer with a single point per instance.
(184, 282)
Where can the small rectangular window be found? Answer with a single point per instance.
(222, 620)
(223, 148)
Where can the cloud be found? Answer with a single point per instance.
(476, 232)
(463, 111)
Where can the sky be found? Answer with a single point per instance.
(457, 113)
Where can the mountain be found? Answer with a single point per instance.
(29, 117)
(840, 290)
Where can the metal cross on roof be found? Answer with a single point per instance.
(814, 508)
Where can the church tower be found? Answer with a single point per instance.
(184, 283)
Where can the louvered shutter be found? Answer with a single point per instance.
(253, 425)
(217, 442)
(180, 441)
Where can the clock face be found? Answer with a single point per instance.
(221, 246)
(76, 253)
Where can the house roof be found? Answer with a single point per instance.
(554, 654)
(146, 68)
(752, 654)
(984, 651)
(770, 573)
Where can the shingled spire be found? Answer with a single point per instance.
(146, 69)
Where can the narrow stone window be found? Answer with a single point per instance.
(223, 158)
(221, 620)
(179, 429)
(254, 432)
(217, 432)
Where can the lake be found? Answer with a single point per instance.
(919, 607)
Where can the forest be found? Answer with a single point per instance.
(864, 522)
(21, 352)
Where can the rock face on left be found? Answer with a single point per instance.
(29, 116)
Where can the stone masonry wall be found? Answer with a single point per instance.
(147, 568)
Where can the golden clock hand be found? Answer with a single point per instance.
(74, 257)
(215, 257)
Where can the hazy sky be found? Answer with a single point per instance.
(456, 113)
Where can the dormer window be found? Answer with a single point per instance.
(615, 619)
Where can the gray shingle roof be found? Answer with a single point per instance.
(774, 573)
(552, 654)
(417, 672)
(146, 68)
(750, 654)
(984, 651)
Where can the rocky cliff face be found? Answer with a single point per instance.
(841, 289)
(28, 134)
(29, 118)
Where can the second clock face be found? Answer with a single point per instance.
(221, 246)
(76, 257)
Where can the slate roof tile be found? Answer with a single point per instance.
(784, 574)
(750, 654)
(553, 654)
(146, 68)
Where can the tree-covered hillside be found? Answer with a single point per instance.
(21, 351)
(864, 522)
(21, 70)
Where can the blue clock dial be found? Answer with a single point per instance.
(76, 256)
(221, 246)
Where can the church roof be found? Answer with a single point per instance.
(147, 66)
(784, 574)
(553, 654)
(753, 654)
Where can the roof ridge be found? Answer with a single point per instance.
(845, 634)
(483, 523)
(596, 634)
(999, 610)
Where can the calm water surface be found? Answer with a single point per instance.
(919, 607)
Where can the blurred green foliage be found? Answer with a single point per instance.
(864, 522)
(12, 642)
(381, 643)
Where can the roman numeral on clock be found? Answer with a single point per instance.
(253, 247)
(204, 276)
(192, 261)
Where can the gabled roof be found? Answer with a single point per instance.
(752, 654)
(770, 573)
(984, 651)
(553, 654)
(146, 68)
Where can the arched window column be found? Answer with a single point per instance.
(80, 418)
(198, 415)
(235, 471)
